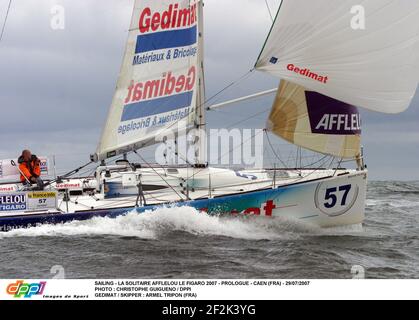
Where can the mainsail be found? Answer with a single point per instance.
(316, 122)
(158, 89)
(328, 47)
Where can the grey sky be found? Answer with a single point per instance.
(56, 86)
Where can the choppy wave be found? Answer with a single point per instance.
(395, 203)
(403, 187)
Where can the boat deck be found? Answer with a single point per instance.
(81, 200)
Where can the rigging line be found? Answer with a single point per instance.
(155, 171)
(314, 170)
(247, 74)
(228, 87)
(230, 114)
(338, 167)
(239, 146)
(350, 160)
(224, 154)
(81, 173)
(248, 118)
(314, 163)
(177, 153)
(269, 10)
(88, 173)
(215, 95)
(5, 20)
(273, 150)
(331, 163)
(235, 124)
(69, 174)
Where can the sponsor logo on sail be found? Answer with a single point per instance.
(331, 116)
(307, 73)
(167, 85)
(169, 93)
(20, 289)
(339, 123)
(172, 28)
(174, 17)
(166, 31)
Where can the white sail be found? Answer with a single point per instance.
(158, 86)
(327, 46)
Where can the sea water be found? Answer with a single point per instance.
(183, 243)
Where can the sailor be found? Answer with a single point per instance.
(30, 169)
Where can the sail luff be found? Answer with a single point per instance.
(101, 149)
(269, 34)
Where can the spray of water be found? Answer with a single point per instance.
(152, 224)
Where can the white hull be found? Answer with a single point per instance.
(324, 198)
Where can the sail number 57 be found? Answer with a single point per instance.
(333, 195)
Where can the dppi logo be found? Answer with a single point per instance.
(20, 289)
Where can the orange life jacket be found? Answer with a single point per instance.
(29, 169)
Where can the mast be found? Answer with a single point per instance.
(201, 148)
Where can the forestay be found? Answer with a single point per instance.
(157, 88)
(326, 46)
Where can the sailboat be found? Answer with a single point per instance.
(329, 64)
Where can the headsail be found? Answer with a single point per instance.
(316, 122)
(157, 89)
(318, 45)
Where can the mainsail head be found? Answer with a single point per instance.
(316, 122)
(158, 86)
(322, 46)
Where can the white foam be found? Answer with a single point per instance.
(354, 230)
(121, 226)
(150, 225)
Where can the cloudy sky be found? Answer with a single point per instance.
(56, 85)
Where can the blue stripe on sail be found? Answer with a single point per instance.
(166, 39)
(156, 106)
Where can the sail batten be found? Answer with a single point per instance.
(157, 92)
(314, 44)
